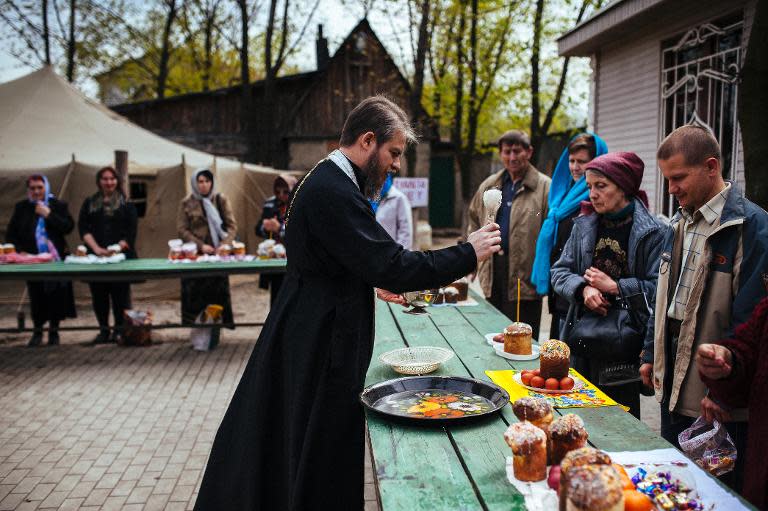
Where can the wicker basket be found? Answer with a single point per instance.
(419, 360)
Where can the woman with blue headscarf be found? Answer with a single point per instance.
(38, 225)
(567, 191)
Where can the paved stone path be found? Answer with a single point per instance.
(107, 427)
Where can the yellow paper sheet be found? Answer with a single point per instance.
(587, 397)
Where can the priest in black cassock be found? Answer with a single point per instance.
(293, 436)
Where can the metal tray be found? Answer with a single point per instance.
(434, 399)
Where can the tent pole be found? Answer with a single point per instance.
(121, 166)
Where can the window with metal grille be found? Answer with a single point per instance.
(699, 85)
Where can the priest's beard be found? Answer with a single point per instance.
(374, 177)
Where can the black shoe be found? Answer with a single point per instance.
(53, 337)
(102, 338)
(36, 340)
(116, 338)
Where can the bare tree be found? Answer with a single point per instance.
(165, 47)
(46, 32)
(540, 129)
(417, 88)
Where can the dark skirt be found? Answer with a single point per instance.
(197, 294)
(51, 301)
(620, 381)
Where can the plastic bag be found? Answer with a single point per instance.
(709, 446)
(205, 339)
(137, 328)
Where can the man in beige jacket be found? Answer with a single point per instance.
(523, 210)
(710, 279)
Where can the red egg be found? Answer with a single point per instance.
(566, 383)
(538, 382)
(552, 384)
(526, 378)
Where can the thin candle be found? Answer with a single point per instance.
(518, 300)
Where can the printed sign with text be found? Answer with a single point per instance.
(416, 189)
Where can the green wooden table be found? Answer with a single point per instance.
(463, 466)
(136, 269)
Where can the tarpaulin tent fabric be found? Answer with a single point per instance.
(48, 126)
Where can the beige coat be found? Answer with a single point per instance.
(529, 209)
(192, 225)
(708, 314)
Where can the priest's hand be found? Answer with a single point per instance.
(485, 241)
(389, 296)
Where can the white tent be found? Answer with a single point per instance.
(47, 126)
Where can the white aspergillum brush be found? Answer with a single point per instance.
(492, 203)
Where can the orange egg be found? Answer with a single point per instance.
(526, 378)
(538, 382)
(566, 383)
(626, 482)
(636, 501)
(552, 384)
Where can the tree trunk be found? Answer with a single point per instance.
(418, 81)
(165, 51)
(46, 34)
(753, 103)
(208, 44)
(535, 54)
(71, 42)
(246, 105)
(473, 107)
(456, 135)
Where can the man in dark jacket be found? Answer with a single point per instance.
(39, 224)
(293, 436)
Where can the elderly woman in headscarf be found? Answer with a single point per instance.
(611, 256)
(205, 218)
(107, 218)
(38, 225)
(567, 190)
(272, 225)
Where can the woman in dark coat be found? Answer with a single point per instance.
(272, 226)
(735, 370)
(107, 218)
(205, 218)
(38, 225)
(613, 252)
(567, 190)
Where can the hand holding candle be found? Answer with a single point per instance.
(491, 203)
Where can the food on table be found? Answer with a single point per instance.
(439, 297)
(451, 294)
(578, 458)
(529, 451)
(225, 249)
(567, 383)
(666, 492)
(462, 286)
(554, 361)
(538, 382)
(81, 251)
(8, 248)
(594, 488)
(279, 251)
(238, 248)
(113, 249)
(567, 433)
(189, 250)
(175, 251)
(626, 481)
(553, 481)
(552, 384)
(538, 412)
(637, 501)
(535, 410)
(434, 404)
(498, 338)
(526, 378)
(518, 339)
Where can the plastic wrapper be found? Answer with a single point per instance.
(138, 331)
(205, 339)
(709, 446)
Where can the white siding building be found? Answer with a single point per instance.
(658, 64)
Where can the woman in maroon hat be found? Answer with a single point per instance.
(608, 273)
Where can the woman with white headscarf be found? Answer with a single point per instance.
(205, 218)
